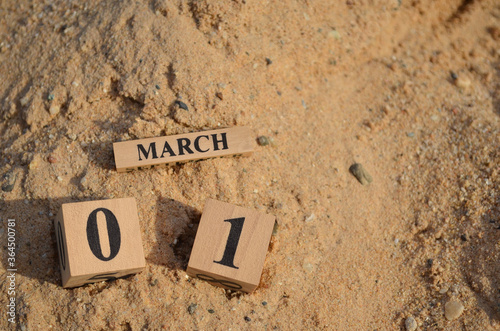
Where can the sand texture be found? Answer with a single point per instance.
(410, 90)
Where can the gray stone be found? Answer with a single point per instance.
(411, 324)
(360, 173)
(192, 308)
(453, 310)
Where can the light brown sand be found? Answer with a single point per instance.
(350, 81)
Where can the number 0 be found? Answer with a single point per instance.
(113, 234)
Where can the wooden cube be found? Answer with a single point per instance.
(98, 240)
(230, 246)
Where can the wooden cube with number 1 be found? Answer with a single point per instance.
(230, 246)
(98, 240)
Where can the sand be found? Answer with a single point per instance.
(408, 89)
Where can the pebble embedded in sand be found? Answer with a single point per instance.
(462, 82)
(10, 182)
(453, 309)
(360, 173)
(181, 105)
(411, 324)
(192, 308)
(275, 228)
(308, 267)
(263, 141)
(309, 218)
(24, 101)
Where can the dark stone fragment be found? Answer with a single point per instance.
(192, 308)
(181, 105)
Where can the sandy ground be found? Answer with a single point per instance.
(409, 89)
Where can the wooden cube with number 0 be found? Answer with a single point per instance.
(230, 246)
(98, 240)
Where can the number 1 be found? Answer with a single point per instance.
(232, 242)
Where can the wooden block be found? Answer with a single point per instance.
(98, 240)
(151, 152)
(230, 246)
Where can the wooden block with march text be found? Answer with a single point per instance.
(98, 240)
(230, 246)
(151, 152)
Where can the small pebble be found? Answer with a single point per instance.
(411, 324)
(268, 61)
(264, 303)
(247, 319)
(192, 308)
(9, 183)
(444, 289)
(52, 159)
(157, 86)
(83, 180)
(334, 34)
(50, 97)
(360, 173)
(24, 101)
(211, 311)
(453, 75)
(263, 141)
(309, 218)
(59, 178)
(308, 267)
(54, 109)
(275, 228)
(462, 82)
(181, 105)
(219, 95)
(453, 310)
(410, 134)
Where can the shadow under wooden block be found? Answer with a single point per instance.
(230, 246)
(98, 240)
(174, 230)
